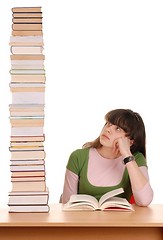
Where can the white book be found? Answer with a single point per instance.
(27, 114)
(26, 148)
(27, 49)
(27, 138)
(27, 62)
(25, 143)
(26, 178)
(28, 208)
(28, 198)
(26, 117)
(27, 71)
(29, 175)
(26, 39)
(29, 186)
(27, 131)
(26, 108)
(25, 193)
(28, 78)
(32, 85)
(27, 162)
(11, 106)
(16, 67)
(28, 97)
(27, 155)
(17, 168)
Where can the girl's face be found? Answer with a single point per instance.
(110, 133)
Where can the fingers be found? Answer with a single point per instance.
(116, 147)
(123, 145)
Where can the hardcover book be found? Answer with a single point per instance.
(28, 198)
(27, 155)
(26, 9)
(27, 33)
(29, 208)
(26, 49)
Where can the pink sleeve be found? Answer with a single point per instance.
(144, 196)
(70, 185)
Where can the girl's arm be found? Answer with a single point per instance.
(141, 188)
(139, 179)
(70, 185)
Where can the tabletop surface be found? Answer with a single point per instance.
(141, 217)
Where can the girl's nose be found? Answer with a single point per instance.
(109, 129)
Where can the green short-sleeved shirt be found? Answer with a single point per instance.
(78, 164)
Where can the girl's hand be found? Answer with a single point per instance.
(122, 146)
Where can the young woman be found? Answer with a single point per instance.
(117, 158)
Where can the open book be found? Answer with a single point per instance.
(109, 201)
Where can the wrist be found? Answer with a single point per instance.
(128, 159)
(127, 154)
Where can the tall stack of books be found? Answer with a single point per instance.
(27, 164)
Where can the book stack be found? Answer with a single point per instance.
(28, 177)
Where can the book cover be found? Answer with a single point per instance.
(26, 106)
(27, 26)
(26, 144)
(28, 162)
(28, 186)
(27, 121)
(28, 179)
(27, 33)
(28, 72)
(27, 57)
(26, 49)
(27, 131)
(26, 40)
(26, 111)
(27, 63)
(28, 66)
(27, 114)
(28, 97)
(27, 20)
(27, 15)
(27, 155)
(28, 167)
(27, 138)
(29, 209)
(26, 148)
(27, 174)
(28, 198)
(26, 9)
(28, 78)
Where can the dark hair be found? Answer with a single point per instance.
(132, 123)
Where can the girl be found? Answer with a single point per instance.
(117, 158)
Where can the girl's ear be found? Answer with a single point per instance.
(131, 142)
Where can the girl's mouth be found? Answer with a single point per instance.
(105, 137)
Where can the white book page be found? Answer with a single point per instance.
(117, 202)
(78, 206)
(84, 198)
(110, 194)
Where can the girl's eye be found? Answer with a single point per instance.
(118, 128)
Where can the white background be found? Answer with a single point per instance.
(100, 55)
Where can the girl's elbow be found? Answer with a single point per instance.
(144, 202)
